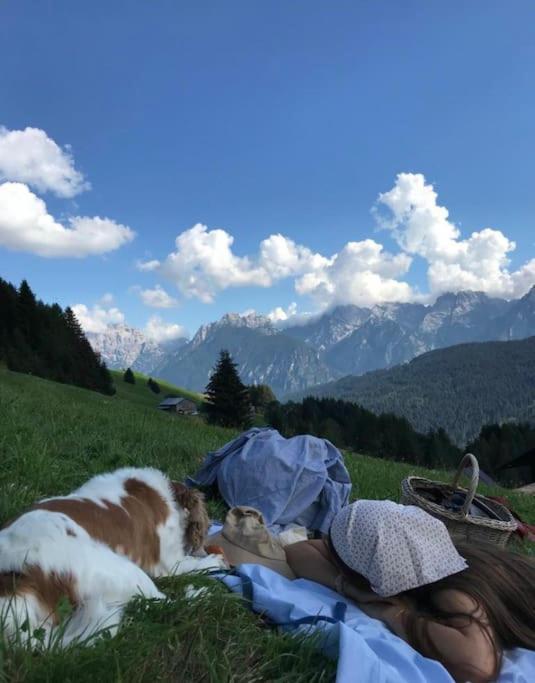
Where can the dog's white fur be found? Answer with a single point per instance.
(103, 580)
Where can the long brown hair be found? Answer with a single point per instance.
(502, 585)
(500, 582)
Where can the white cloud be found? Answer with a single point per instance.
(97, 318)
(147, 266)
(362, 272)
(160, 331)
(422, 227)
(30, 156)
(281, 257)
(106, 299)
(280, 314)
(26, 225)
(204, 264)
(157, 298)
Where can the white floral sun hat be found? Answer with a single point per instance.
(395, 547)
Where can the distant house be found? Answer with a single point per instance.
(182, 406)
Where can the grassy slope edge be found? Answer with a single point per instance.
(52, 438)
(140, 393)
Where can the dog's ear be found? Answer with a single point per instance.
(180, 492)
(198, 521)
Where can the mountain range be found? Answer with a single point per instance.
(347, 340)
(122, 346)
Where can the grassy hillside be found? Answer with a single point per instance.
(460, 388)
(52, 438)
(141, 394)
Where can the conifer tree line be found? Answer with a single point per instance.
(47, 341)
(387, 436)
(348, 425)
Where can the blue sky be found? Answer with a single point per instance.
(279, 118)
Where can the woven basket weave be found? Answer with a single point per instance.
(462, 525)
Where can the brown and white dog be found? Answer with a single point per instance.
(97, 548)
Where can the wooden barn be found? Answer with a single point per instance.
(181, 406)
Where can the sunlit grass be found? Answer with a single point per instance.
(53, 437)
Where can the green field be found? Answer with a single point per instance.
(140, 393)
(53, 437)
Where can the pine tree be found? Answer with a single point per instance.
(129, 376)
(153, 386)
(27, 315)
(260, 395)
(227, 399)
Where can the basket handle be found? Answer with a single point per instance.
(472, 489)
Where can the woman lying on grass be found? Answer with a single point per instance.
(460, 606)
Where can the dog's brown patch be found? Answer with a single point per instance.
(8, 582)
(49, 588)
(130, 526)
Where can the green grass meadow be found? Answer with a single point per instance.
(53, 437)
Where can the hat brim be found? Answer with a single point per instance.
(236, 555)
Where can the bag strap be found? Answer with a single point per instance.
(247, 586)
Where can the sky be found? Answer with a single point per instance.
(163, 163)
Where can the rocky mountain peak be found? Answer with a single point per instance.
(122, 346)
(251, 320)
(463, 299)
(529, 296)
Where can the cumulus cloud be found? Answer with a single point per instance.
(147, 266)
(281, 257)
(30, 156)
(26, 225)
(363, 272)
(97, 318)
(157, 298)
(106, 299)
(422, 227)
(160, 331)
(280, 314)
(204, 264)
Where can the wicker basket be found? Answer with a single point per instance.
(462, 525)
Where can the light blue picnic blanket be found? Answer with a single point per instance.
(366, 650)
(301, 480)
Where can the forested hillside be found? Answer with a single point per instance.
(46, 341)
(349, 426)
(459, 389)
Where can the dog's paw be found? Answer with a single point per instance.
(190, 592)
(215, 562)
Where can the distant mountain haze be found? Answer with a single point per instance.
(122, 346)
